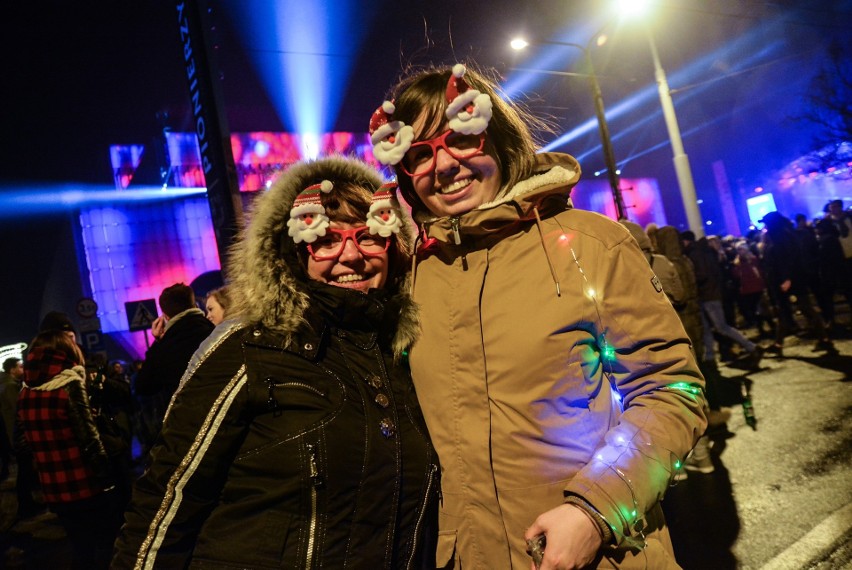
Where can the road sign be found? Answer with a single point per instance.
(140, 314)
(93, 340)
(87, 308)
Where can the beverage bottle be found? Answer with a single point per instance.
(748, 412)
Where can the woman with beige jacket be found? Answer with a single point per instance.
(554, 375)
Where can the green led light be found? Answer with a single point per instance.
(608, 353)
(685, 387)
(677, 464)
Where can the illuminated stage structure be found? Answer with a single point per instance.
(133, 250)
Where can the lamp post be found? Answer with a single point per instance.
(679, 157)
(603, 128)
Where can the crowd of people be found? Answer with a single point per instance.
(496, 380)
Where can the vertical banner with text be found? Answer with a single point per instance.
(211, 126)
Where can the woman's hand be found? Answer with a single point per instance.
(573, 538)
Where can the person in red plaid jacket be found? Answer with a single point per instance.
(73, 467)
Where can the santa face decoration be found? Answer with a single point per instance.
(308, 219)
(384, 218)
(391, 139)
(468, 112)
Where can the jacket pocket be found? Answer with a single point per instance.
(445, 554)
(268, 541)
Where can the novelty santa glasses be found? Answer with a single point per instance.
(309, 222)
(468, 113)
(420, 159)
(331, 245)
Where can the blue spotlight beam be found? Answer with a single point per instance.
(36, 200)
(304, 53)
(746, 52)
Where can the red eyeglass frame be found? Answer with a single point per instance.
(441, 142)
(349, 234)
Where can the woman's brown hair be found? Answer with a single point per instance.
(59, 340)
(422, 96)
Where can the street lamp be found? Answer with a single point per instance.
(606, 142)
(679, 157)
(639, 9)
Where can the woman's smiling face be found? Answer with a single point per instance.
(457, 185)
(351, 269)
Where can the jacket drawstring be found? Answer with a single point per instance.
(417, 241)
(546, 254)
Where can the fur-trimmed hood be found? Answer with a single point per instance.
(268, 281)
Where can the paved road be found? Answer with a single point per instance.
(780, 497)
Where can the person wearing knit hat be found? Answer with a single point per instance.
(58, 430)
(295, 439)
(664, 272)
(57, 321)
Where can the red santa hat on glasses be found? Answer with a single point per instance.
(468, 110)
(308, 219)
(391, 139)
(384, 218)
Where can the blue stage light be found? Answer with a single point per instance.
(304, 53)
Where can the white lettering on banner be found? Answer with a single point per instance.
(194, 91)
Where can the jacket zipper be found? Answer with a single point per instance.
(431, 479)
(315, 482)
(454, 224)
(272, 403)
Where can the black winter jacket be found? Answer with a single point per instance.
(166, 360)
(295, 439)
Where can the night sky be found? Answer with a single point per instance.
(79, 77)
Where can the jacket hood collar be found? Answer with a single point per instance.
(182, 314)
(270, 286)
(344, 308)
(548, 189)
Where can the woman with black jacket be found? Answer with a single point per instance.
(295, 439)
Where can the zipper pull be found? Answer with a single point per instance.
(454, 224)
(271, 402)
(312, 461)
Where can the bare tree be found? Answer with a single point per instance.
(828, 107)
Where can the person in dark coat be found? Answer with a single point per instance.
(832, 280)
(709, 278)
(783, 261)
(10, 385)
(178, 333)
(296, 439)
